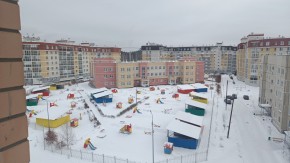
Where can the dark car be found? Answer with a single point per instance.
(234, 96)
(246, 97)
(230, 97)
(228, 101)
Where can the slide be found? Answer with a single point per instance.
(161, 102)
(92, 146)
(138, 111)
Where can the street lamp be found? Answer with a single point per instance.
(230, 118)
(47, 115)
(152, 131)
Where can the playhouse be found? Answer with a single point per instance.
(176, 95)
(119, 105)
(95, 91)
(43, 90)
(32, 100)
(189, 118)
(200, 97)
(103, 97)
(198, 87)
(130, 100)
(183, 135)
(184, 89)
(195, 107)
(57, 117)
(74, 122)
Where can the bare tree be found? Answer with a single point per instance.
(50, 137)
(67, 135)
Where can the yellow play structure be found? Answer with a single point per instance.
(53, 122)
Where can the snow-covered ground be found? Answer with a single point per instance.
(248, 140)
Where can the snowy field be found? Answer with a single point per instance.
(248, 140)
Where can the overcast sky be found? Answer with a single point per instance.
(132, 23)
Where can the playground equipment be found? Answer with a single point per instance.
(73, 104)
(136, 110)
(126, 129)
(158, 101)
(176, 95)
(138, 92)
(168, 147)
(162, 91)
(152, 88)
(88, 143)
(114, 91)
(74, 122)
(119, 105)
(70, 96)
(32, 112)
(52, 104)
(130, 100)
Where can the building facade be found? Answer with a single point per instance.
(14, 146)
(46, 63)
(218, 58)
(107, 72)
(251, 51)
(274, 89)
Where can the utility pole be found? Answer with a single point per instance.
(230, 119)
(152, 131)
(47, 115)
(227, 94)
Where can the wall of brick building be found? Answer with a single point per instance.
(13, 121)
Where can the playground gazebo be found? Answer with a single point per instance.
(189, 118)
(103, 97)
(43, 90)
(184, 89)
(198, 87)
(183, 135)
(200, 97)
(32, 100)
(195, 107)
(96, 91)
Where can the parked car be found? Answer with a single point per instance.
(246, 97)
(230, 97)
(228, 101)
(234, 96)
(231, 77)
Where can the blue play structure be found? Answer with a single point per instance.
(183, 141)
(103, 97)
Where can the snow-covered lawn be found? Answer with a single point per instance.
(248, 140)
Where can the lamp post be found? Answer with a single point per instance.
(152, 131)
(230, 118)
(47, 115)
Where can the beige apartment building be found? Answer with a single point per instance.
(275, 89)
(251, 51)
(14, 146)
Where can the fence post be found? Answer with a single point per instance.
(60, 150)
(127, 161)
(70, 152)
(181, 158)
(195, 157)
(81, 154)
(166, 160)
(92, 157)
(115, 159)
(103, 158)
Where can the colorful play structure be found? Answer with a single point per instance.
(198, 87)
(56, 87)
(74, 122)
(103, 97)
(176, 95)
(70, 96)
(32, 112)
(119, 105)
(136, 110)
(200, 97)
(126, 129)
(138, 92)
(89, 143)
(57, 117)
(44, 90)
(158, 101)
(195, 107)
(162, 91)
(168, 148)
(114, 91)
(184, 89)
(32, 100)
(51, 104)
(130, 100)
(73, 104)
(152, 88)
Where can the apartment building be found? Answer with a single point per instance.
(107, 72)
(251, 51)
(216, 58)
(14, 146)
(274, 89)
(46, 63)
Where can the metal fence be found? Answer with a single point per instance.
(196, 157)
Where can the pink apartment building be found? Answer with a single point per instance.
(107, 72)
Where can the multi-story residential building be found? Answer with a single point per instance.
(275, 88)
(131, 56)
(217, 58)
(46, 63)
(107, 72)
(251, 51)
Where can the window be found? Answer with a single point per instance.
(282, 43)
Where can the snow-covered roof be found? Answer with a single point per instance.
(196, 103)
(40, 88)
(265, 105)
(184, 87)
(198, 86)
(202, 95)
(98, 90)
(54, 113)
(31, 96)
(105, 93)
(190, 118)
(184, 129)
